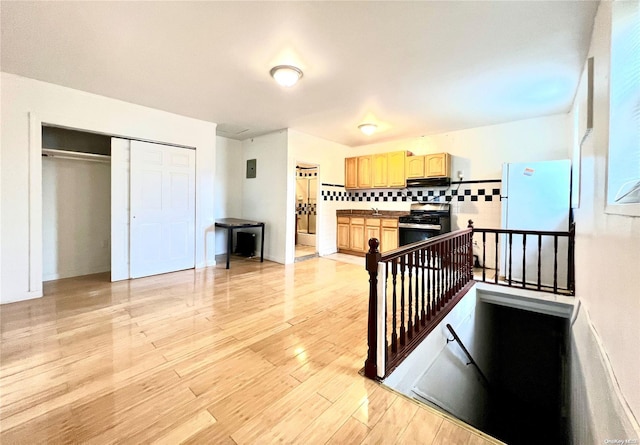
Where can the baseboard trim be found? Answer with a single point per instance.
(22, 297)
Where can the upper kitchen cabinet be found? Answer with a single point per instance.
(380, 170)
(351, 173)
(428, 166)
(388, 169)
(364, 172)
(437, 165)
(395, 169)
(415, 167)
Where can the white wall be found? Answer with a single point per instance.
(607, 246)
(25, 104)
(598, 412)
(329, 156)
(265, 196)
(76, 217)
(230, 171)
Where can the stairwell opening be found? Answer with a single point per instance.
(527, 390)
(519, 391)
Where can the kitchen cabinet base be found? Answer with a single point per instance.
(352, 252)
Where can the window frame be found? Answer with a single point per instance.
(631, 209)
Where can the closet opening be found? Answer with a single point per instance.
(76, 203)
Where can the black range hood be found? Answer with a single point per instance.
(429, 182)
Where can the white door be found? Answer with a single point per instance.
(536, 197)
(162, 217)
(120, 207)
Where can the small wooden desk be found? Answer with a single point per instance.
(235, 223)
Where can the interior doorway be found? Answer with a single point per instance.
(306, 209)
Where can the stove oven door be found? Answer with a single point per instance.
(413, 233)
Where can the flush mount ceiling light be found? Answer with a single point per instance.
(286, 75)
(368, 129)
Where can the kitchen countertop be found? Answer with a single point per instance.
(369, 213)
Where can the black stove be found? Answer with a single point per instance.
(424, 221)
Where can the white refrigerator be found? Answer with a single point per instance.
(535, 196)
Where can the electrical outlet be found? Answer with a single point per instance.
(460, 175)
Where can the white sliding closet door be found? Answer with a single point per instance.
(162, 219)
(120, 206)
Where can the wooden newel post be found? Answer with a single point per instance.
(571, 259)
(470, 247)
(372, 260)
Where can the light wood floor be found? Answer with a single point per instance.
(304, 250)
(259, 353)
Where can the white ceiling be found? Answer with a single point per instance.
(414, 68)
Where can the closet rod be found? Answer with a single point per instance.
(65, 154)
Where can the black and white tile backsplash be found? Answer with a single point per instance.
(461, 193)
(306, 209)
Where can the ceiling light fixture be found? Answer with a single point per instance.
(368, 129)
(286, 75)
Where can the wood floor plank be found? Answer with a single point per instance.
(227, 377)
(183, 432)
(475, 439)
(424, 425)
(392, 423)
(352, 431)
(258, 353)
(251, 399)
(332, 419)
(289, 427)
(372, 410)
(451, 434)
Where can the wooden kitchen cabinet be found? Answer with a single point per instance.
(380, 165)
(437, 165)
(356, 235)
(414, 167)
(388, 235)
(343, 232)
(395, 169)
(428, 166)
(364, 172)
(351, 173)
(372, 230)
(380, 170)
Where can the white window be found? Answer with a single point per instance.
(623, 188)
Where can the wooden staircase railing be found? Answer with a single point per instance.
(420, 283)
(524, 251)
(412, 288)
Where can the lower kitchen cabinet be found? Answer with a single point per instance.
(372, 231)
(389, 232)
(354, 234)
(343, 232)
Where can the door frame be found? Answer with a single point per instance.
(292, 200)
